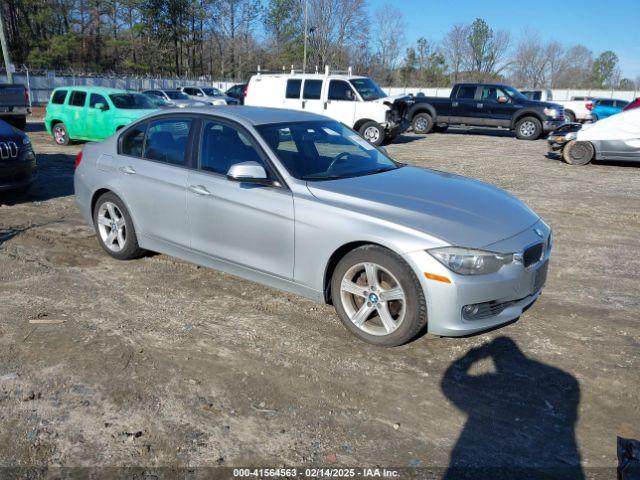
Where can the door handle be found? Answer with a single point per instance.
(199, 190)
(128, 170)
(454, 104)
(480, 105)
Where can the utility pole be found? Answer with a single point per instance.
(5, 51)
(306, 32)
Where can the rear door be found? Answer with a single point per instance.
(312, 96)
(75, 114)
(491, 111)
(463, 106)
(153, 166)
(341, 101)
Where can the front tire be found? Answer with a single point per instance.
(373, 133)
(114, 228)
(422, 123)
(528, 128)
(569, 117)
(378, 297)
(578, 153)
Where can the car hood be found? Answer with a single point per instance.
(7, 132)
(455, 209)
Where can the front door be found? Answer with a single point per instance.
(249, 225)
(341, 102)
(98, 120)
(498, 107)
(152, 175)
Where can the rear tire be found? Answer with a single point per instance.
(378, 296)
(422, 123)
(373, 133)
(60, 134)
(528, 128)
(578, 153)
(114, 228)
(569, 116)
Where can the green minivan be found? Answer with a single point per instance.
(92, 113)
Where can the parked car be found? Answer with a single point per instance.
(605, 107)
(486, 105)
(357, 102)
(238, 92)
(17, 160)
(175, 98)
(92, 113)
(209, 95)
(387, 244)
(14, 104)
(578, 109)
(632, 105)
(614, 138)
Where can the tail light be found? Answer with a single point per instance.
(245, 90)
(589, 106)
(26, 95)
(78, 159)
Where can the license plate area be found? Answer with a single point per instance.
(540, 277)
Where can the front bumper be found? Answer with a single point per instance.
(514, 288)
(557, 142)
(550, 125)
(16, 174)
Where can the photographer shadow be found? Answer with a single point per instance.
(521, 416)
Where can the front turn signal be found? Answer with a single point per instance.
(437, 278)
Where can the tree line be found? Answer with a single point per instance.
(228, 39)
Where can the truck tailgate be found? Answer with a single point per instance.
(12, 96)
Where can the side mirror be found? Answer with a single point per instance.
(503, 99)
(100, 106)
(248, 172)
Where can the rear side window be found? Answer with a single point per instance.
(293, 88)
(621, 103)
(312, 89)
(606, 103)
(77, 98)
(94, 99)
(58, 97)
(167, 141)
(466, 92)
(133, 140)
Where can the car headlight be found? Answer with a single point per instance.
(466, 261)
(571, 136)
(551, 112)
(25, 140)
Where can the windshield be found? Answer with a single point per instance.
(324, 150)
(132, 101)
(176, 95)
(212, 92)
(367, 88)
(513, 93)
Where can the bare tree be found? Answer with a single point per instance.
(455, 49)
(389, 26)
(530, 62)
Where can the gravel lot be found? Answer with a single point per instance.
(156, 362)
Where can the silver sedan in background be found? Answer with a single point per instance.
(302, 203)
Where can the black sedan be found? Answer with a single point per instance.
(17, 160)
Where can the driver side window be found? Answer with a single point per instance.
(222, 146)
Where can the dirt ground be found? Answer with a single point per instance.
(159, 363)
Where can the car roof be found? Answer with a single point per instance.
(103, 90)
(312, 76)
(251, 115)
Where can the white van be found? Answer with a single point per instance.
(357, 102)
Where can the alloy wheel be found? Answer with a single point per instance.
(527, 129)
(112, 226)
(373, 298)
(59, 134)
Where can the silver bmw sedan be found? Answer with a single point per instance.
(302, 203)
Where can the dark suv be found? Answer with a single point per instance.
(17, 160)
(486, 105)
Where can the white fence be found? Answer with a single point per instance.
(42, 85)
(563, 94)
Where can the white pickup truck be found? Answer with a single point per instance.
(578, 109)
